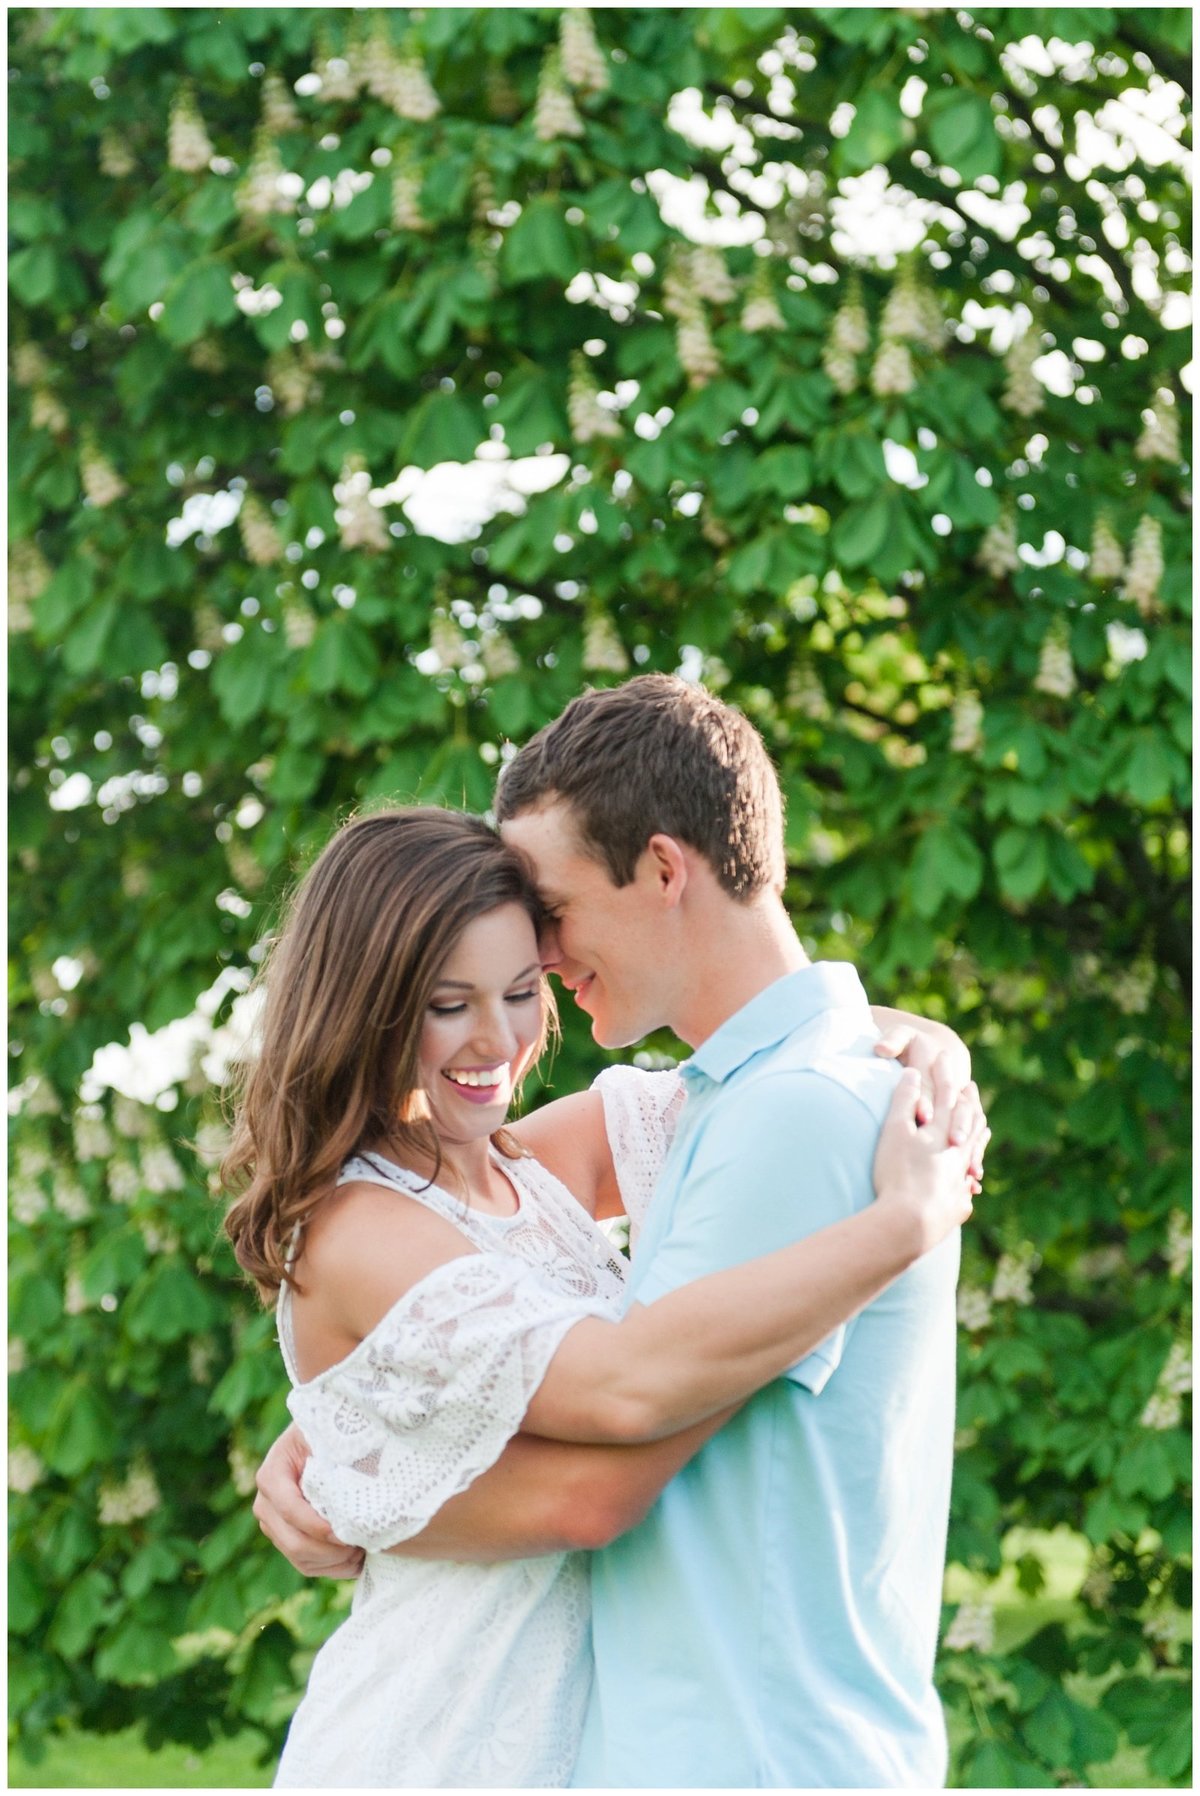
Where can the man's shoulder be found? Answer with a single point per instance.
(830, 1059)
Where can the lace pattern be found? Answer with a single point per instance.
(641, 1111)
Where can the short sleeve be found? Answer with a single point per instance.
(429, 1399)
(784, 1158)
(641, 1110)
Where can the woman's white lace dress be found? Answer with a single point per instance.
(457, 1675)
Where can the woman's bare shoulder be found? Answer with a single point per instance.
(367, 1246)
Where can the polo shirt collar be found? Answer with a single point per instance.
(772, 1014)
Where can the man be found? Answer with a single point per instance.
(773, 1619)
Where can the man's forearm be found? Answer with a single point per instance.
(546, 1496)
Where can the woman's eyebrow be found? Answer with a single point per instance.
(464, 985)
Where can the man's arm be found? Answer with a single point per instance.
(540, 1497)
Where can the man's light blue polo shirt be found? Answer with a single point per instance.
(773, 1620)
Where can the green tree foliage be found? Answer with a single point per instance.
(885, 444)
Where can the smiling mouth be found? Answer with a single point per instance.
(577, 991)
(479, 1085)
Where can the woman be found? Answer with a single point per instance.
(439, 1290)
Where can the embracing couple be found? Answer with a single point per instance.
(749, 1425)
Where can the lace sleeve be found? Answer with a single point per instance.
(640, 1114)
(431, 1397)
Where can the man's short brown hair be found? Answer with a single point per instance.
(657, 756)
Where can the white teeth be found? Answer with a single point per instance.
(488, 1079)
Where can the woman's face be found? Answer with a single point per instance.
(483, 1024)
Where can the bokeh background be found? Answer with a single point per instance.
(378, 379)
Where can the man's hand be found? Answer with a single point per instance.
(292, 1524)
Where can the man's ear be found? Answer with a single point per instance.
(665, 862)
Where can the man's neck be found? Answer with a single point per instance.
(742, 950)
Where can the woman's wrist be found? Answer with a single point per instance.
(898, 1228)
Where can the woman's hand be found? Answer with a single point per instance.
(290, 1522)
(918, 1167)
(944, 1066)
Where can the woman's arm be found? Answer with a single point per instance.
(569, 1138)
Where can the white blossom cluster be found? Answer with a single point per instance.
(911, 314)
(1097, 1587)
(806, 694)
(75, 1298)
(1106, 558)
(1179, 1243)
(1100, 1263)
(124, 1181)
(1056, 670)
(279, 114)
(483, 193)
(260, 539)
(554, 115)
(498, 655)
(1132, 987)
(696, 350)
(28, 572)
(248, 875)
(966, 724)
(260, 192)
(299, 623)
(101, 482)
(849, 337)
(709, 274)
(361, 525)
(212, 1143)
(973, 1629)
(1162, 1629)
(45, 986)
(26, 1201)
(25, 1470)
(159, 1240)
(583, 62)
(242, 1468)
(892, 371)
(70, 1198)
(202, 1355)
(412, 95)
(339, 76)
(42, 1099)
(292, 378)
(603, 650)
(30, 367)
(207, 356)
(974, 1308)
(161, 1171)
(406, 202)
(1023, 392)
(1013, 1281)
(588, 418)
(136, 1496)
(131, 1119)
(1159, 440)
(761, 310)
(1144, 570)
(997, 553)
(135, 875)
(448, 642)
(46, 412)
(188, 145)
(90, 1134)
(116, 159)
(1176, 1375)
(18, 1356)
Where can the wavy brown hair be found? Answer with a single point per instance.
(347, 981)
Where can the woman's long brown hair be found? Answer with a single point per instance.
(347, 982)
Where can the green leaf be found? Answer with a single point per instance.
(1020, 857)
(84, 647)
(1148, 771)
(202, 298)
(946, 863)
(877, 132)
(860, 533)
(35, 273)
(540, 245)
(82, 1429)
(136, 1652)
(243, 678)
(962, 134)
(85, 1607)
(167, 1303)
(857, 464)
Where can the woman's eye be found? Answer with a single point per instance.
(447, 1009)
(522, 997)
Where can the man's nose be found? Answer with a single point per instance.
(549, 947)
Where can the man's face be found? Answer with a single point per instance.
(602, 942)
